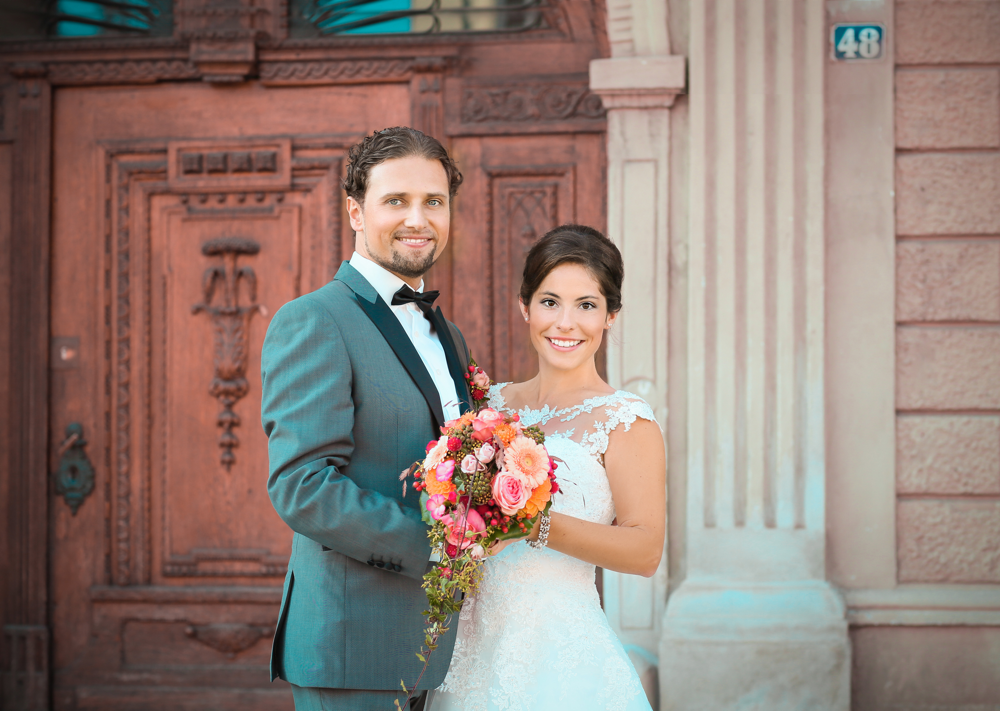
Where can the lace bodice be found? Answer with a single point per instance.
(544, 599)
(604, 414)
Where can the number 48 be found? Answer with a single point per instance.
(867, 44)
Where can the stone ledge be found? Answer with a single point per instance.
(638, 82)
(925, 605)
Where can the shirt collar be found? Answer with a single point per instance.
(384, 282)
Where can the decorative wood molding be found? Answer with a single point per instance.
(529, 103)
(524, 203)
(230, 322)
(345, 71)
(127, 72)
(230, 639)
(26, 683)
(25, 506)
(121, 346)
(540, 107)
(229, 165)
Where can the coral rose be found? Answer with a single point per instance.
(510, 492)
(529, 459)
(481, 380)
(539, 497)
(459, 536)
(484, 424)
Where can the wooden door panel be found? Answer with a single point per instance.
(516, 190)
(184, 218)
(212, 519)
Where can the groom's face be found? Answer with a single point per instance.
(404, 221)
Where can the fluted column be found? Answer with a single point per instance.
(638, 85)
(755, 618)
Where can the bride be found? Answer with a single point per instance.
(534, 636)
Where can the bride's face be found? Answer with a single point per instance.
(567, 317)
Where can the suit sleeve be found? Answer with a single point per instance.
(308, 416)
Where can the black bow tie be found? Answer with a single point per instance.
(424, 301)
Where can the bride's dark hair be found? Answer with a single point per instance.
(575, 244)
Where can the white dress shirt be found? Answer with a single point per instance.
(417, 327)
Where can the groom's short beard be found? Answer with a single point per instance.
(398, 264)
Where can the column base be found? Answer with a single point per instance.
(743, 646)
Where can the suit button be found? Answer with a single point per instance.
(371, 562)
(396, 567)
(379, 564)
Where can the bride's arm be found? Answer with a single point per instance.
(636, 466)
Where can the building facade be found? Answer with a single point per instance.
(807, 197)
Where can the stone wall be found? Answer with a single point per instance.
(933, 640)
(948, 291)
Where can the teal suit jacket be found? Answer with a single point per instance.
(347, 405)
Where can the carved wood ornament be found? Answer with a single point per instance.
(231, 322)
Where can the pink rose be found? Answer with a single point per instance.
(444, 470)
(486, 453)
(474, 527)
(484, 424)
(470, 464)
(510, 492)
(481, 380)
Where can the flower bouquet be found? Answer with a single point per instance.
(486, 479)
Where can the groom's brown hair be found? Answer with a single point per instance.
(389, 143)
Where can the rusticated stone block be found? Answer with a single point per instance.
(948, 281)
(948, 108)
(948, 32)
(948, 454)
(948, 194)
(948, 541)
(947, 368)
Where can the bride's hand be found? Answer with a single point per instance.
(532, 535)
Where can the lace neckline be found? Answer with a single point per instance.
(541, 416)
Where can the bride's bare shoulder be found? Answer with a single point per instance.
(512, 394)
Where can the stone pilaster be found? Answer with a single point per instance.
(638, 85)
(755, 624)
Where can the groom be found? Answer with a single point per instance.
(357, 377)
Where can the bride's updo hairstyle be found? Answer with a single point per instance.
(575, 244)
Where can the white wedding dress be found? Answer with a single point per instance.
(535, 637)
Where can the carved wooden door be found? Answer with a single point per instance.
(184, 217)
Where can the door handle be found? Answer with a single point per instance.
(75, 475)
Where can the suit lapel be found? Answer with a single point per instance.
(388, 325)
(455, 366)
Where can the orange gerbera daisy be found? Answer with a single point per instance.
(505, 433)
(437, 487)
(539, 497)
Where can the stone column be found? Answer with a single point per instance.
(638, 85)
(755, 624)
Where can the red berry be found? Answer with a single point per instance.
(454, 444)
